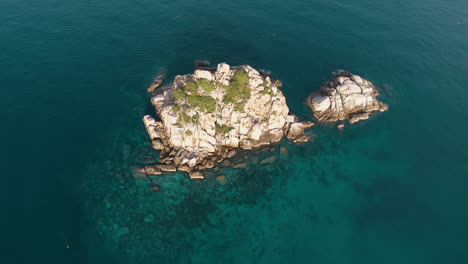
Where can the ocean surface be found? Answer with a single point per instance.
(392, 189)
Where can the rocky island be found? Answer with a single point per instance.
(207, 116)
(345, 97)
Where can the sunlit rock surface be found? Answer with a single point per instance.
(345, 97)
(205, 116)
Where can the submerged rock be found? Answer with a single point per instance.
(152, 170)
(240, 165)
(345, 97)
(205, 116)
(153, 187)
(268, 160)
(283, 151)
(221, 179)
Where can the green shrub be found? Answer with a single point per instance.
(206, 85)
(267, 89)
(240, 77)
(223, 86)
(238, 90)
(184, 118)
(189, 94)
(195, 118)
(176, 108)
(246, 93)
(179, 93)
(191, 88)
(188, 132)
(205, 103)
(239, 107)
(222, 129)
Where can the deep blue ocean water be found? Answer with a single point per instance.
(392, 189)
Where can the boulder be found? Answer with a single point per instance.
(157, 81)
(138, 172)
(268, 160)
(202, 74)
(296, 132)
(345, 97)
(157, 144)
(231, 154)
(166, 167)
(356, 117)
(209, 164)
(183, 168)
(240, 165)
(153, 187)
(221, 179)
(226, 163)
(154, 85)
(153, 170)
(196, 175)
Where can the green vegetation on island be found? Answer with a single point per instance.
(222, 129)
(206, 85)
(238, 91)
(189, 95)
(184, 118)
(266, 89)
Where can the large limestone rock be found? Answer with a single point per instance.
(345, 97)
(206, 114)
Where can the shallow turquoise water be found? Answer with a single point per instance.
(388, 190)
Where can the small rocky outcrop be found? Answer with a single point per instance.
(207, 116)
(157, 81)
(345, 97)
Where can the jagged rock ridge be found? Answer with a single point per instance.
(207, 115)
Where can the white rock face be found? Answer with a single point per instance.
(195, 133)
(202, 74)
(346, 96)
